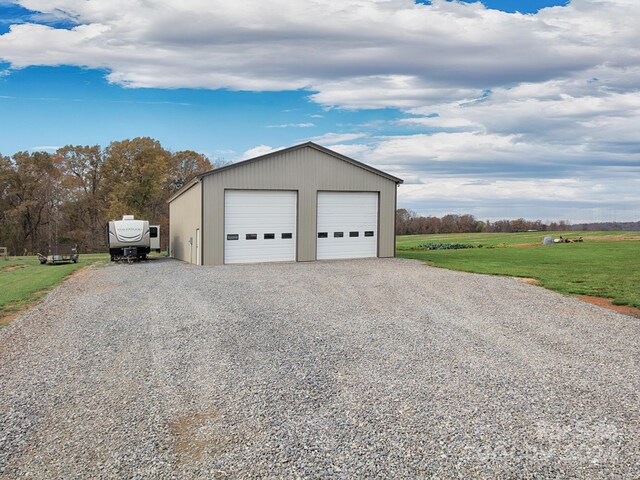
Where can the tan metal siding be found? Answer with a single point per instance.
(185, 214)
(308, 171)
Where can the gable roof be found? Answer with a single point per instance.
(279, 152)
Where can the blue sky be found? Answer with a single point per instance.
(59, 105)
(501, 109)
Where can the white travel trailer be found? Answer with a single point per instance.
(131, 239)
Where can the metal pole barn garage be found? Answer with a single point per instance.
(302, 203)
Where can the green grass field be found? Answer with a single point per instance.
(606, 264)
(23, 280)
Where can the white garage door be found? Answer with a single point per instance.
(347, 225)
(259, 226)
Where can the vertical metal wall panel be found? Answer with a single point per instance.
(306, 170)
(184, 219)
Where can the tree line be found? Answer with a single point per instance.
(409, 223)
(70, 195)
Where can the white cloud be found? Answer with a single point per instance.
(578, 200)
(356, 151)
(292, 125)
(400, 53)
(257, 152)
(380, 91)
(532, 101)
(335, 138)
(44, 148)
(504, 176)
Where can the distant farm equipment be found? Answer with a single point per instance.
(551, 240)
(130, 239)
(63, 253)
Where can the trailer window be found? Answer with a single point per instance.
(153, 232)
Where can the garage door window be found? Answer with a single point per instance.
(287, 235)
(368, 234)
(233, 236)
(338, 234)
(251, 236)
(354, 234)
(323, 235)
(269, 236)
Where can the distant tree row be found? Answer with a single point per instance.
(70, 195)
(616, 226)
(408, 223)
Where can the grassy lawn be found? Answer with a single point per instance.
(24, 281)
(606, 265)
(408, 242)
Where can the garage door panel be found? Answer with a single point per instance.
(346, 212)
(261, 215)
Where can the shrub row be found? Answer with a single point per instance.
(446, 246)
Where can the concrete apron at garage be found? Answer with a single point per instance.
(378, 368)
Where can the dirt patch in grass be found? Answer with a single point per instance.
(606, 303)
(11, 268)
(528, 281)
(81, 272)
(6, 319)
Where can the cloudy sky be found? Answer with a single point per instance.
(500, 109)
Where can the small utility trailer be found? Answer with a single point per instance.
(60, 254)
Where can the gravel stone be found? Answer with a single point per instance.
(377, 368)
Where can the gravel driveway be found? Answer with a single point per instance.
(379, 368)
